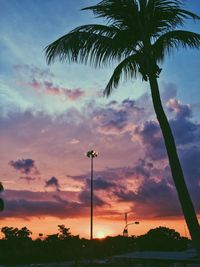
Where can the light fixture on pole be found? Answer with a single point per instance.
(91, 154)
(125, 231)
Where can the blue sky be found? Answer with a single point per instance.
(28, 26)
(51, 115)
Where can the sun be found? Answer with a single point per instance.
(100, 234)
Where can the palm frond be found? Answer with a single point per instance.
(188, 15)
(166, 15)
(147, 16)
(127, 69)
(94, 44)
(173, 40)
(119, 12)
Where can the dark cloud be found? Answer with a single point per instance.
(152, 139)
(156, 199)
(191, 168)
(185, 131)
(23, 208)
(117, 118)
(190, 159)
(101, 184)
(129, 104)
(111, 178)
(26, 204)
(84, 197)
(142, 168)
(111, 121)
(109, 174)
(152, 199)
(25, 166)
(53, 183)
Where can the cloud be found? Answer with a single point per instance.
(22, 208)
(53, 183)
(151, 137)
(168, 91)
(117, 118)
(43, 81)
(111, 121)
(185, 130)
(25, 166)
(121, 185)
(72, 94)
(101, 184)
(181, 110)
(190, 161)
(74, 141)
(32, 71)
(84, 197)
(27, 204)
(156, 199)
(153, 199)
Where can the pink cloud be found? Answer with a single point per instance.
(38, 78)
(73, 94)
(35, 84)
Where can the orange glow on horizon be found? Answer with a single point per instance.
(102, 228)
(100, 235)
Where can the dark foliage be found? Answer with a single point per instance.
(18, 247)
(1, 200)
(162, 238)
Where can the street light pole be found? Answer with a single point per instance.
(91, 201)
(91, 154)
(125, 231)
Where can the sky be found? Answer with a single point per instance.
(51, 115)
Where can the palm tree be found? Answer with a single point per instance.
(137, 35)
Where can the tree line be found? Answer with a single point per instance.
(17, 246)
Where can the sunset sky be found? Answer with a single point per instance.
(51, 115)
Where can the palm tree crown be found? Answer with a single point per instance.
(138, 34)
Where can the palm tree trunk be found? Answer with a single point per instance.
(176, 169)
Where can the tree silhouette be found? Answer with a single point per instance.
(162, 238)
(17, 246)
(13, 233)
(63, 232)
(9, 232)
(1, 200)
(138, 34)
